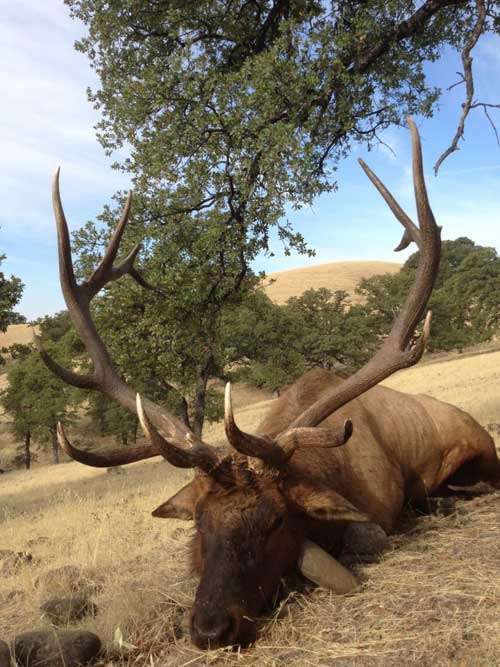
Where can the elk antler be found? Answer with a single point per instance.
(180, 447)
(398, 351)
(277, 452)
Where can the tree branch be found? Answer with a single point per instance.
(469, 84)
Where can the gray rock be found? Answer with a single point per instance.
(12, 561)
(4, 654)
(62, 611)
(56, 648)
(37, 541)
(69, 580)
(363, 541)
(116, 470)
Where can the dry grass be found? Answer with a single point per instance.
(281, 285)
(16, 333)
(434, 600)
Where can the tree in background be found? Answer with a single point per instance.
(263, 341)
(11, 290)
(465, 303)
(36, 400)
(34, 397)
(335, 331)
(240, 107)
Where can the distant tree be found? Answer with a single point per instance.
(264, 342)
(34, 397)
(334, 331)
(465, 302)
(111, 418)
(36, 401)
(11, 290)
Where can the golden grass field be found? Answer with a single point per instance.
(432, 601)
(281, 285)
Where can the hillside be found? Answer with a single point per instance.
(282, 285)
(16, 333)
(433, 600)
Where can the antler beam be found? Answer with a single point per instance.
(398, 351)
(179, 446)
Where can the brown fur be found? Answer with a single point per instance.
(251, 522)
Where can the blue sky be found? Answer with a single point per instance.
(46, 120)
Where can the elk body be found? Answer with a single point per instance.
(331, 453)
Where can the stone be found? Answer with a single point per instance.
(12, 561)
(37, 541)
(4, 654)
(116, 470)
(56, 648)
(69, 580)
(62, 611)
(363, 541)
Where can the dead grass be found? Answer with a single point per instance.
(433, 600)
(281, 285)
(16, 333)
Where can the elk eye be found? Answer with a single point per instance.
(277, 523)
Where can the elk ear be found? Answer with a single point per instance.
(182, 504)
(323, 504)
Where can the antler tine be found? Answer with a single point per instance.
(68, 280)
(430, 250)
(198, 455)
(397, 351)
(278, 452)
(114, 244)
(116, 457)
(102, 273)
(412, 232)
(248, 443)
(70, 377)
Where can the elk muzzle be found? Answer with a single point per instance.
(216, 626)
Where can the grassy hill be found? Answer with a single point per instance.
(281, 285)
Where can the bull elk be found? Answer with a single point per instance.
(330, 453)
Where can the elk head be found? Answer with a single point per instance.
(253, 508)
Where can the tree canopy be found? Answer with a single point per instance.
(229, 112)
(11, 290)
(231, 109)
(465, 302)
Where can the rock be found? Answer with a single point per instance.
(56, 648)
(116, 470)
(4, 654)
(363, 542)
(12, 561)
(36, 541)
(69, 580)
(62, 611)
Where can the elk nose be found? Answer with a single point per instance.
(213, 629)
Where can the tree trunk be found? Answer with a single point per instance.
(184, 411)
(55, 446)
(200, 400)
(27, 452)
